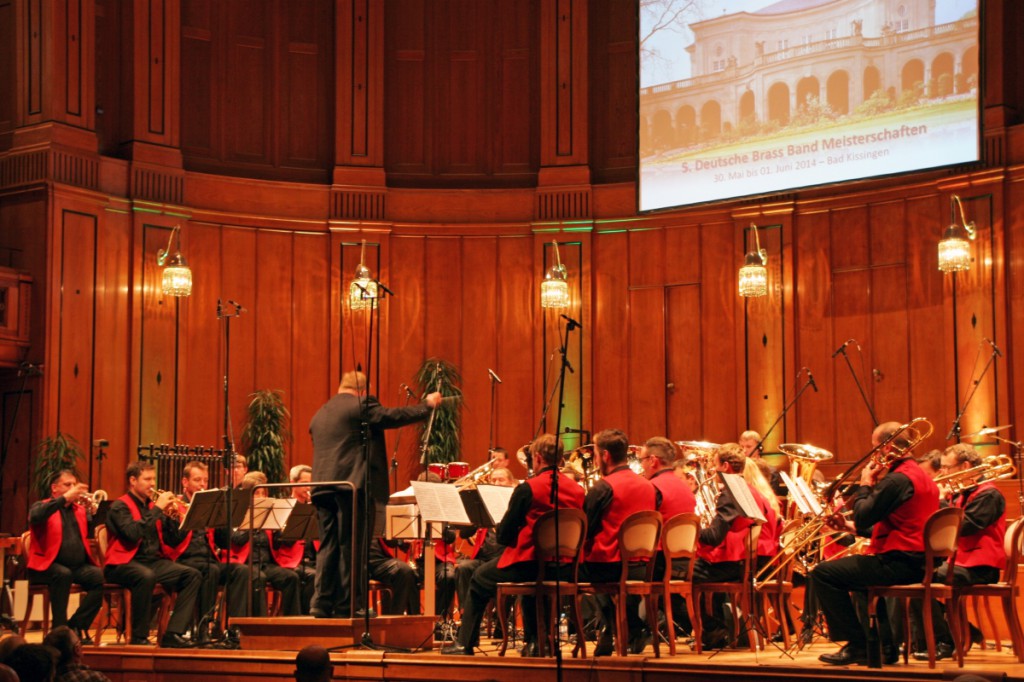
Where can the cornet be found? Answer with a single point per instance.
(91, 501)
(175, 509)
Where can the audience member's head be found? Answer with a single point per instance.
(8, 643)
(35, 662)
(313, 664)
(67, 644)
(7, 674)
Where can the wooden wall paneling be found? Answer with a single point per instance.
(684, 386)
(406, 338)
(646, 378)
(408, 88)
(891, 343)
(611, 321)
(201, 372)
(520, 362)
(275, 321)
(248, 87)
(304, 99)
(612, 107)
(239, 277)
(976, 319)
(851, 309)
(770, 382)
(813, 336)
(8, 64)
(109, 49)
(514, 135)
(930, 351)
(18, 410)
(359, 82)
(463, 89)
(114, 340)
(554, 334)
(563, 82)
(158, 341)
(479, 353)
(202, 66)
(1013, 219)
(311, 382)
(724, 396)
(445, 284)
(76, 333)
(356, 330)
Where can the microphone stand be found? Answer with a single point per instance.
(842, 350)
(784, 411)
(490, 437)
(229, 445)
(954, 430)
(398, 439)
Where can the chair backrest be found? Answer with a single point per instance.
(572, 531)
(102, 541)
(1012, 546)
(941, 531)
(679, 541)
(25, 537)
(638, 540)
(750, 552)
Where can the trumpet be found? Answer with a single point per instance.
(91, 501)
(992, 468)
(176, 508)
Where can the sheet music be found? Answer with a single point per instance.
(741, 493)
(796, 494)
(812, 499)
(268, 514)
(440, 502)
(496, 499)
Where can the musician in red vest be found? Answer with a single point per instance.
(518, 562)
(657, 458)
(894, 499)
(134, 558)
(721, 546)
(59, 552)
(482, 543)
(200, 551)
(979, 548)
(619, 493)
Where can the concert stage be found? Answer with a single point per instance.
(278, 641)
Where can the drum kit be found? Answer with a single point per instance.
(452, 471)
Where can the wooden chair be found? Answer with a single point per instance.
(1007, 591)
(678, 542)
(739, 593)
(778, 593)
(940, 535)
(120, 598)
(638, 541)
(41, 591)
(572, 531)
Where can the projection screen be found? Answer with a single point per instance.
(752, 97)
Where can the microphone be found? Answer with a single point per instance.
(810, 377)
(573, 324)
(237, 307)
(843, 347)
(381, 285)
(494, 377)
(994, 346)
(100, 443)
(877, 374)
(408, 391)
(27, 369)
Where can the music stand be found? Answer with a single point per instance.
(300, 525)
(203, 511)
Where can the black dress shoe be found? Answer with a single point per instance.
(529, 650)
(605, 645)
(639, 643)
(83, 637)
(890, 654)
(173, 640)
(318, 613)
(361, 613)
(717, 638)
(139, 641)
(977, 636)
(848, 655)
(942, 650)
(456, 649)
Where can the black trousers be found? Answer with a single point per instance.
(234, 578)
(287, 582)
(834, 580)
(484, 586)
(141, 578)
(962, 576)
(59, 578)
(609, 572)
(680, 568)
(716, 572)
(403, 582)
(444, 585)
(463, 577)
(339, 583)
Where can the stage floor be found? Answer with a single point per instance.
(131, 664)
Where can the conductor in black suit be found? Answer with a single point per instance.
(338, 456)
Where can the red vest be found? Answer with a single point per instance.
(285, 556)
(903, 529)
(984, 548)
(478, 542)
(733, 548)
(630, 493)
(118, 551)
(676, 496)
(44, 544)
(570, 496)
(768, 540)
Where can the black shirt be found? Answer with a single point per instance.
(121, 525)
(72, 548)
(982, 511)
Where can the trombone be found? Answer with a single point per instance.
(896, 446)
(992, 468)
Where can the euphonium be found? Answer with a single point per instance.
(482, 474)
(992, 468)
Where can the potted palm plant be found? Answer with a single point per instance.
(54, 454)
(265, 434)
(446, 431)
